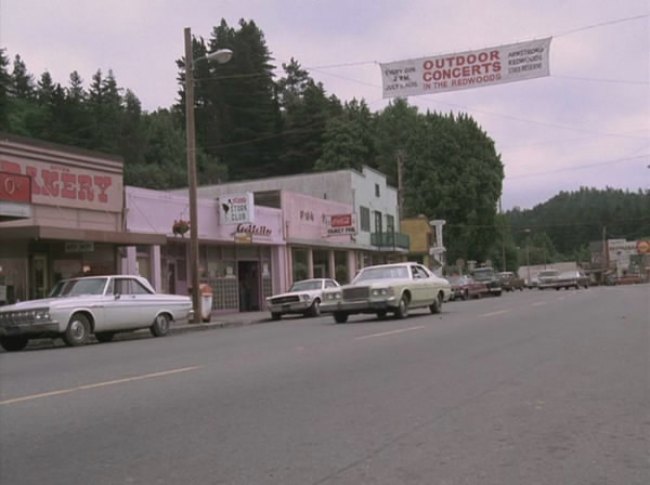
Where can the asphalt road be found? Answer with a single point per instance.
(531, 388)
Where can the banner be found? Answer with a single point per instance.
(467, 70)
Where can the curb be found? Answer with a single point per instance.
(198, 327)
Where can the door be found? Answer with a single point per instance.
(39, 276)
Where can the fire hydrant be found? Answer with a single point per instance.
(206, 301)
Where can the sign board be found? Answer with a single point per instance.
(63, 185)
(79, 247)
(236, 208)
(14, 209)
(243, 238)
(15, 187)
(467, 70)
(340, 225)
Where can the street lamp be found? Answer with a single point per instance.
(221, 56)
(527, 231)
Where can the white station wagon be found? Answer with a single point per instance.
(385, 288)
(100, 305)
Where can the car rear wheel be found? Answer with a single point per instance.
(78, 330)
(340, 317)
(160, 326)
(104, 336)
(403, 308)
(436, 306)
(14, 343)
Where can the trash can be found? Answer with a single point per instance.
(206, 301)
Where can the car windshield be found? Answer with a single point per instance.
(483, 274)
(85, 286)
(383, 273)
(306, 285)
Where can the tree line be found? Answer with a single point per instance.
(252, 124)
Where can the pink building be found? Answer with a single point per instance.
(320, 237)
(242, 261)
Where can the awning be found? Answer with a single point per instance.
(63, 233)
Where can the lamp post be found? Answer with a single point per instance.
(527, 231)
(221, 56)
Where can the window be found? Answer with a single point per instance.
(390, 223)
(379, 226)
(377, 192)
(365, 219)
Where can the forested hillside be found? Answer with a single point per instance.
(562, 227)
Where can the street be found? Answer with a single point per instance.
(534, 387)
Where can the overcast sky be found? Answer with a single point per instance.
(587, 124)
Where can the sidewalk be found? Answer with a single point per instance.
(221, 321)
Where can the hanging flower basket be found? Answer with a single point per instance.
(180, 227)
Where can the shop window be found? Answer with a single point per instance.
(341, 264)
(377, 192)
(321, 264)
(300, 264)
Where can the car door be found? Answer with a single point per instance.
(122, 310)
(422, 286)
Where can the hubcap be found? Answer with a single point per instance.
(162, 323)
(78, 330)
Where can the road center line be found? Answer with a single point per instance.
(539, 303)
(500, 312)
(392, 332)
(97, 384)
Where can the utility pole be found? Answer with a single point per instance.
(605, 263)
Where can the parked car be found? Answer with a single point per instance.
(487, 276)
(464, 287)
(510, 281)
(380, 289)
(304, 297)
(547, 279)
(100, 305)
(572, 279)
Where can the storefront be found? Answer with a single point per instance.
(241, 257)
(61, 215)
(321, 238)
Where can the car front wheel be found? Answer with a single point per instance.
(314, 309)
(403, 308)
(78, 330)
(14, 343)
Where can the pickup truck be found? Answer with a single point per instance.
(488, 276)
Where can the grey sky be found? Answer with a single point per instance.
(588, 124)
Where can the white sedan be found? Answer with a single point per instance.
(100, 305)
(304, 297)
(394, 288)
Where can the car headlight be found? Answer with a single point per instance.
(42, 315)
(382, 292)
(333, 296)
(305, 297)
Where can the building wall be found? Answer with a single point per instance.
(363, 187)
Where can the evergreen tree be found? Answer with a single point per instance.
(5, 86)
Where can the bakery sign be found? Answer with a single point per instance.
(340, 225)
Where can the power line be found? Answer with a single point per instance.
(602, 24)
(579, 167)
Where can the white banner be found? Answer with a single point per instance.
(467, 70)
